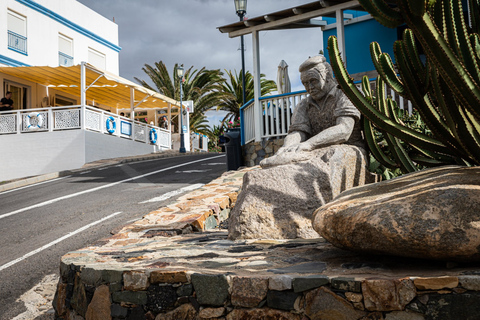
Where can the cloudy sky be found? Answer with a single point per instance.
(185, 31)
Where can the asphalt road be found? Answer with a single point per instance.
(42, 222)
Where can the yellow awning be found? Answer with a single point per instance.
(105, 88)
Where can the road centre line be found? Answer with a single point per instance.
(33, 185)
(48, 245)
(68, 196)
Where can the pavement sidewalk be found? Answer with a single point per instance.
(22, 182)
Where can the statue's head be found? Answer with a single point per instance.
(316, 75)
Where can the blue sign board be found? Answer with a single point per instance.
(126, 128)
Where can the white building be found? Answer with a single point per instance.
(56, 32)
(60, 60)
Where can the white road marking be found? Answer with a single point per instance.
(68, 196)
(85, 172)
(193, 171)
(68, 235)
(214, 164)
(35, 184)
(170, 194)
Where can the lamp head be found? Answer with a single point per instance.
(241, 7)
(180, 71)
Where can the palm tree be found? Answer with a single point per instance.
(234, 99)
(202, 86)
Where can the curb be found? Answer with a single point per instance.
(92, 165)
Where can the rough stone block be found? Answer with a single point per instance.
(131, 297)
(209, 313)
(112, 276)
(210, 289)
(117, 311)
(261, 314)
(322, 303)
(301, 284)
(346, 284)
(185, 290)
(387, 295)
(210, 223)
(99, 307)
(183, 312)
(470, 282)
(91, 276)
(283, 300)
(435, 283)
(135, 281)
(280, 283)
(248, 292)
(404, 315)
(161, 298)
(453, 306)
(168, 277)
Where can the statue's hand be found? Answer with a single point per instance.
(304, 146)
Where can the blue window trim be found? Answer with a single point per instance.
(37, 7)
(11, 62)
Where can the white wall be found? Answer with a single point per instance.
(43, 31)
(102, 146)
(30, 154)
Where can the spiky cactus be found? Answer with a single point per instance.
(445, 90)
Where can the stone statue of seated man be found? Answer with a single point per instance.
(322, 156)
(326, 117)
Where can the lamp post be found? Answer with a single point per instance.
(180, 77)
(241, 8)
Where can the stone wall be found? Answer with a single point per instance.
(254, 152)
(179, 295)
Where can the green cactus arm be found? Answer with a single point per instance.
(440, 97)
(429, 162)
(417, 7)
(384, 65)
(383, 13)
(445, 60)
(366, 88)
(462, 42)
(475, 40)
(373, 146)
(380, 120)
(396, 148)
(412, 52)
(426, 109)
(474, 6)
(469, 134)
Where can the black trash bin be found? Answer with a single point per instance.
(233, 147)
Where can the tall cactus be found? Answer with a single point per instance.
(445, 89)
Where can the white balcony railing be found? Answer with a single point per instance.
(276, 115)
(277, 112)
(29, 121)
(17, 42)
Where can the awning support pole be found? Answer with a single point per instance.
(341, 34)
(83, 93)
(132, 112)
(257, 109)
(83, 90)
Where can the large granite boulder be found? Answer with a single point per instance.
(432, 214)
(278, 202)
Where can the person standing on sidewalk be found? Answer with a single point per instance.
(6, 103)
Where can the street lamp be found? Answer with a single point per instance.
(241, 8)
(180, 77)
